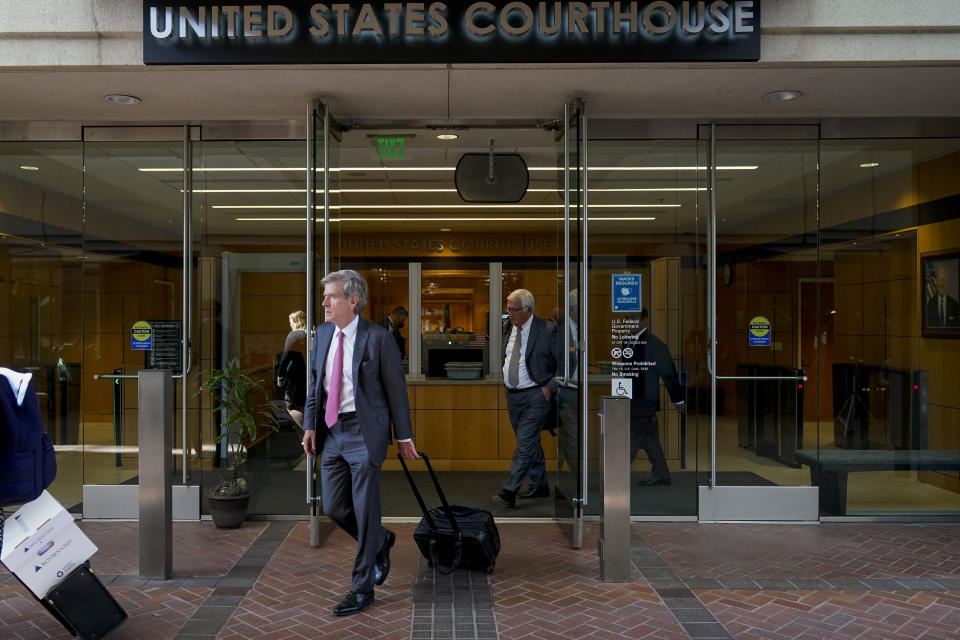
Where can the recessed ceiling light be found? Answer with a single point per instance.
(444, 229)
(120, 98)
(869, 165)
(27, 167)
(447, 136)
(782, 96)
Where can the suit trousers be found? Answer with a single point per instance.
(645, 435)
(568, 435)
(351, 496)
(528, 411)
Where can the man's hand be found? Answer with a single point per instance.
(681, 409)
(408, 450)
(546, 392)
(310, 442)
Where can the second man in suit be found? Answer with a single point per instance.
(653, 362)
(358, 391)
(529, 365)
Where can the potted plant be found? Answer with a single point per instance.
(235, 403)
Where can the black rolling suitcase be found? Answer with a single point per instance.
(82, 604)
(453, 535)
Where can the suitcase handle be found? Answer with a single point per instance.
(443, 498)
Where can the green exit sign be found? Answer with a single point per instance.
(390, 148)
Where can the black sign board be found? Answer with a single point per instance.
(166, 352)
(305, 32)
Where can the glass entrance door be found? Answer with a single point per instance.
(137, 214)
(439, 268)
(644, 248)
(762, 234)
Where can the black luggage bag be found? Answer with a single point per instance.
(452, 536)
(83, 605)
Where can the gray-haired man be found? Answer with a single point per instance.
(358, 392)
(529, 365)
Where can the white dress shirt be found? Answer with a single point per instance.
(347, 400)
(525, 381)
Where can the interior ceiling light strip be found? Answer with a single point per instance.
(487, 219)
(426, 190)
(445, 206)
(406, 169)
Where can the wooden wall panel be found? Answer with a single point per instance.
(456, 396)
(458, 433)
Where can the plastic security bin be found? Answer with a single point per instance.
(464, 370)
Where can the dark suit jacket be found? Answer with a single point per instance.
(952, 308)
(540, 351)
(646, 390)
(380, 391)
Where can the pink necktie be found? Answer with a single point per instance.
(336, 380)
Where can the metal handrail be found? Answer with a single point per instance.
(804, 378)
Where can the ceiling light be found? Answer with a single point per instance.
(28, 167)
(121, 98)
(869, 165)
(782, 96)
(447, 136)
(438, 190)
(444, 229)
(445, 206)
(427, 219)
(745, 167)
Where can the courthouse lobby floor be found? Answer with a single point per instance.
(689, 580)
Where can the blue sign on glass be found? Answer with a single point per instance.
(626, 292)
(759, 332)
(141, 336)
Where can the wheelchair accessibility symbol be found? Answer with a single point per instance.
(621, 387)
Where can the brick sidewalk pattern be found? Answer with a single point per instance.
(833, 580)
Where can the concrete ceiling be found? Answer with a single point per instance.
(482, 93)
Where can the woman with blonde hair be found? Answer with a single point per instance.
(292, 371)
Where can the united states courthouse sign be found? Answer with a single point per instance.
(300, 32)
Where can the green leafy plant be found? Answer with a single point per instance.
(238, 403)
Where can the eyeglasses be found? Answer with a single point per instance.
(516, 309)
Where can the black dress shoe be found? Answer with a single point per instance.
(506, 498)
(353, 603)
(543, 491)
(653, 481)
(381, 566)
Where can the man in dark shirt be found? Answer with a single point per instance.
(393, 322)
(655, 362)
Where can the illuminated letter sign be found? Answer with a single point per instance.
(503, 31)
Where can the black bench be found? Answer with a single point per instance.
(829, 469)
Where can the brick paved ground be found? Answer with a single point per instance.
(740, 581)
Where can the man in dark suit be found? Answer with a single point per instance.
(942, 309)
(529, 365)
(393, 322)
(358, 390)
(653, 362)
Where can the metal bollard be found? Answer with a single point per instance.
(614, 540)
(155, 419)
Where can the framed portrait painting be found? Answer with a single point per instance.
(940, 294)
